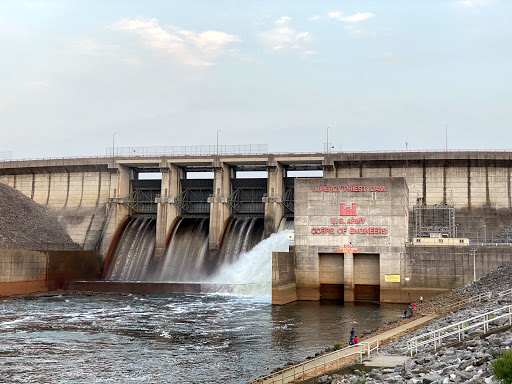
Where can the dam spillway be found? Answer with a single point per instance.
(133, 251)
(186, 259)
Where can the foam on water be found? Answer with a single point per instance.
(252, 271)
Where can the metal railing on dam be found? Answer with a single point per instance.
(191, 150)
(249, 149)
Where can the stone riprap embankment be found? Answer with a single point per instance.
(465, 362)
(25, 224)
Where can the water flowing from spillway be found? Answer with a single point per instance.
(133, 252)
(243, 258)
(288, 224)
(241, 236)
(254, 267)
(187, 257)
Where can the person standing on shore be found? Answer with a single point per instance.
(421, 299)
(355, 340)
(352, 334)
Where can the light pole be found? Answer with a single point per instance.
(446, 136)
(473, 251)
(218, 142)
(113, 149)
(327, 146)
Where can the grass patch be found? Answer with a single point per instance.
(29, 297)
(503, 367)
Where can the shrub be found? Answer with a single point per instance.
(503, 367)
(336, 346)
(30, 297)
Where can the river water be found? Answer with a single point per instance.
(169, 338)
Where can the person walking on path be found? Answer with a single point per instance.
(421, 299)
(352, 334)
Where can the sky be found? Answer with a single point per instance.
(374, 75)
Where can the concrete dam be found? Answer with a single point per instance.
(368, 226)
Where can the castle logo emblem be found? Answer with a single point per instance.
(347, 211)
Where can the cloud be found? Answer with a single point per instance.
(473, 3)
(89, 46)
(314, 18)
(283, 20)
(387, 58)
(38, 84)
(37, 4)
(186, 47)
(337, 15)
(350, 28)
(285, 38)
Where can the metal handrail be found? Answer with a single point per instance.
(436, 336)
(504, 293)
(477, 299)
(469, 300)
(321, 364)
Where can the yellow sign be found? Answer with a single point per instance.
(392, 278)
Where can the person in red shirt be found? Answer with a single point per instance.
(355, 340)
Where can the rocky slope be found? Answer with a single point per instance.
(25, 224)
(466, 362)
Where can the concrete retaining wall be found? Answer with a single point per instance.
(283, 278)
(432, 270)
(23, 272)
